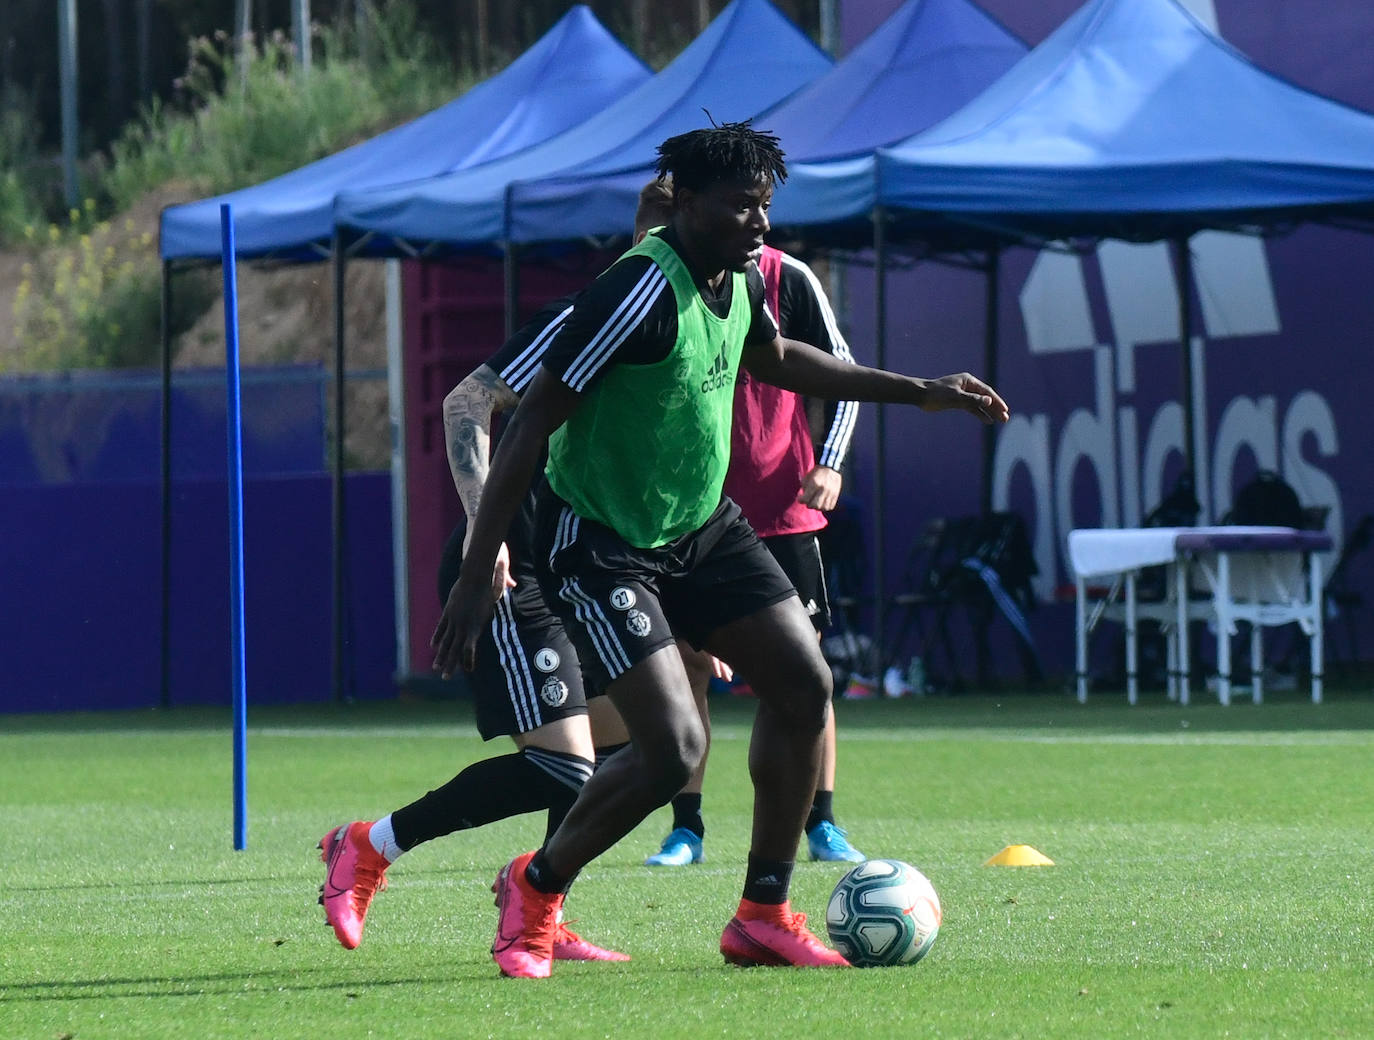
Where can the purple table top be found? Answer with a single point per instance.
(1218, 540)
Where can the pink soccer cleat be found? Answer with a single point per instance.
(760, 934)
(354, 872)
(528, 923)
(569, 946)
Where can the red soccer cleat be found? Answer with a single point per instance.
(528, 923)
(760, 934)
(569, 946)
(354, 872)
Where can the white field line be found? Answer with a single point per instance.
(1326, 738)
(854, 734)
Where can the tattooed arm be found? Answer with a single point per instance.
(468, 411)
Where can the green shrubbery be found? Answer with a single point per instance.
(90, 294)
(20, 183)
(82, 291)
(228, 131)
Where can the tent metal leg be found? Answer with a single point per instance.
(165, 698)
(340, 258)
(511, 270)
(396, 406)
(991, 335)
(1185, 337)
(880, 427)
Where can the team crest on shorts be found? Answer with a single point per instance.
(622, 598)
(546, 659)
(554, 691)
(637, 623)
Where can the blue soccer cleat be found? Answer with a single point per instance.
(680, 848)
(828, 842)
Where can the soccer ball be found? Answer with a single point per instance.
(883, 912)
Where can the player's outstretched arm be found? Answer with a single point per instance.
(468, 411)
(545, 406)
(805, 369)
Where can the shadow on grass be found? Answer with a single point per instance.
(150, 886)
(275, 981)
(125, 885)
(220, 984)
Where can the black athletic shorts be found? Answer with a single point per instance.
(799, 556)
(527, 672)
(621, 603)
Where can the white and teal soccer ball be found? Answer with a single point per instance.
(883, 912)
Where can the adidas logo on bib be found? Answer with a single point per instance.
(718, 375)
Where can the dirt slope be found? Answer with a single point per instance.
(285, 315)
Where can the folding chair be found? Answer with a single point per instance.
(846, 647)
(998, 569)
(932, 584)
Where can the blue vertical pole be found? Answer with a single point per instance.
(239, 689)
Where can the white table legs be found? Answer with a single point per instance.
(1181, 654)
(1266, 576)
(1080, 628)
(1132, 648)
(1314, 592)
(1227, 612)
(1226, 626)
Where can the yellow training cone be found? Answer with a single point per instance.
(1019, 856)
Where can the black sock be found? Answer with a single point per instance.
(767, 880)
(492, 790)
(540, 875)
(687, 813)
(822, 810)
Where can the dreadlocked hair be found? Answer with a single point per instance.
(730, 151)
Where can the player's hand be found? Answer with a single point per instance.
(465, 615)
(820, 489)
(501, 579)
(967, 393)
(721, 670)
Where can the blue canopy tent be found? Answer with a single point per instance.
(748, 42)
(574, 70)
(925, 61)
(1133, 120)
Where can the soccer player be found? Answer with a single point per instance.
(528, 685)
(783, 487)
(634, 404)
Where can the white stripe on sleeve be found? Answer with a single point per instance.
(632, 310)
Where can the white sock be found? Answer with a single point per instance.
(384, 839)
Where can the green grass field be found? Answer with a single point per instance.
(1214, 877)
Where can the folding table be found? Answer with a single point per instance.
(1266, 576)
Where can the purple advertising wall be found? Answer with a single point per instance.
(1089, 359)
(82, 608)
(81, 557)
